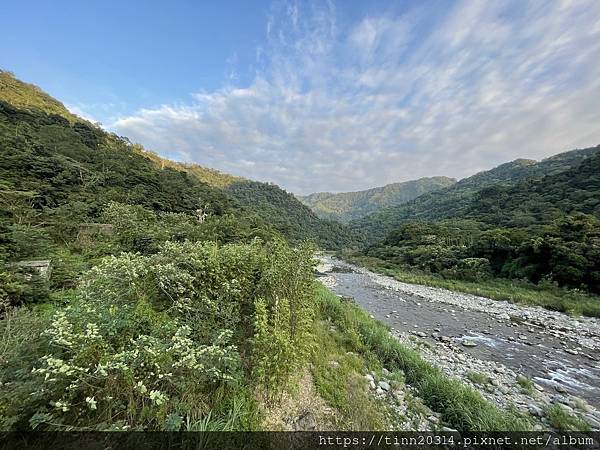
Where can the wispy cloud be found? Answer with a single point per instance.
(339, 105)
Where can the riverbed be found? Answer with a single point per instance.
(464, 333)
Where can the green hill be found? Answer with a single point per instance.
(55, 163)
(465, 198)
(347, 206)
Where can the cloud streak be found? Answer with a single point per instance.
(345, 105)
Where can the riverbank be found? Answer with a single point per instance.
(533, 359)
(552, 298)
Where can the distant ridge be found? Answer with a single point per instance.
(347, 206)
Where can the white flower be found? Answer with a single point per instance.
(158, 397)
(91, 402)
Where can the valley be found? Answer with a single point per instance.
(175, 297)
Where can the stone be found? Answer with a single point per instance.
(384, 385)
(592, 421)
(468, 343)
(421, 334)
(372, 384)
(571, 351)
(560, 389)
(534, 410)
(385, 372)
(305, 422)
(379, 391)
(369, 377)
(495, 382)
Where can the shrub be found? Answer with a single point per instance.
(158, 341)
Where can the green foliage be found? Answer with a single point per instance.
(562, 420)
(347, 206)
(526, 384)
(518, 194)
(478, 377)
(289, 216)
(565, 252)
(343, 385)
(152, 341)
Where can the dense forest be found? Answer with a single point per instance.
(347, 206)
(524, 191)
(524, 220)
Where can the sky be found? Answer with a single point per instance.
(321, 95)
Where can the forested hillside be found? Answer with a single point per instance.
(537, 222)
(54, 160)
(346, 206)
(531, 195)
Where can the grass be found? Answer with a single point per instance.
(477, 377)
(515, 291)
(526, 384)
(562, 420)
(338, 377)
(460, 407)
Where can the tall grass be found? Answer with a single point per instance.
(460, 406)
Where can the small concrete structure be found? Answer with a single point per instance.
(92, 229)
(40, 268)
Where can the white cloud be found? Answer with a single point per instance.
(340, 106)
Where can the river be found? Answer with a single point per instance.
(462, 333)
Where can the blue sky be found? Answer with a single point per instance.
(322, 95)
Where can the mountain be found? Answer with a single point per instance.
(51, 159)
(347, 206)
(516, 193)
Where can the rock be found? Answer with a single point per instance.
(445, 339)
(421, 334)
(379, 391)
(450, 430)
(385, 372)
(384, 385)
(538, 387)
(592, 421)
(560, 389)
(535, 411)
(468, 343)
(504, 316)
(369, 377)
(571, 351)
(437, 330)
(305, 422)
(494, 382)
